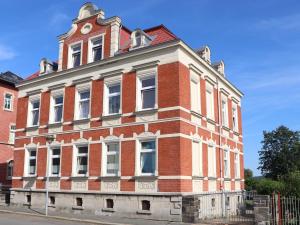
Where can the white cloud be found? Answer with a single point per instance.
(6, 53)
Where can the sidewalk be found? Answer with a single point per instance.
(103, 220)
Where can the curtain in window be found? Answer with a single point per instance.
(148, 162)
(84, 109)
(114, 104)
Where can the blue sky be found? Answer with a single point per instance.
(258, 40)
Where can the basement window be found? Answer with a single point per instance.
(52, 200)
(146, 205)
(213, 202)
(109, 203)
(79, 202)
(28, 199)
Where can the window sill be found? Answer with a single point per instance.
(108, 210)
(210, 121)
(56, 124)
(109, 177)
(197, 177)
(145, 212)
(111, 116)
(212, 178)
(225, 128)
(77, 207)
(236, 133)
(195, 113)
(145, 111)
(29, 177)
(227, 179)
(146, 177)
(52, 177)
(31, 128)
(84, 120)
(78, 177)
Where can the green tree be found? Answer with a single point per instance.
(248, 173)
(292, 184)
(267, 186)
(280, 153)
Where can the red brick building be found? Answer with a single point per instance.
(8, 108)
(138, 119)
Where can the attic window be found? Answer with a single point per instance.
(140, 39)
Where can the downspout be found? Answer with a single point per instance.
(222, 182)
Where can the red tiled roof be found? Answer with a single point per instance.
(36, 74)
(161, 33)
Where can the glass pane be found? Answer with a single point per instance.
(32, 153)
(148, 145)
(36, 105)
(114, 104)
(97, 41)
(55, 165)
(76, 59)
(112, 164)
(97, 52)
(148, 98)
(148, 162)
(83, 150)
(113, 147)
(148, 82)
(82, 165)
(84, 95)
(35, 117)
(84, 109)
(56, 151)
(59, 100)
(114, 89)
(58, 113)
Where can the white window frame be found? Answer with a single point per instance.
(144, 75)
(55, 95)
(224, 111)
(51, 160)
(227, 159)
(91, 46)
(109, 82)
(32, 100)
(211, 147)
(80, 89)
(145, 40)
(235, 123)
(197, 158)
(12, 133)
(195, 93)
(210, 111)
(138, 169)
(236, 164)
(75, 158)
(104, 158)
(71, 52)
(10, 101)
(27, 161)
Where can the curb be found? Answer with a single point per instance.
(62, 218)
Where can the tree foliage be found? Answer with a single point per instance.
(280, 153)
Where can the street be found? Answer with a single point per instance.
(18, 219)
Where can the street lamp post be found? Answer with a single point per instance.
(49, 140)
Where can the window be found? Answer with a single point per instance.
(96, 49)
(57, 109)
(75, 56)
(109, 203)
(8, 102)
(140, 39)
(227, 202)
(34, 113)
(114, 99)
(52, 200)
(234, 118)
(12, 131)
(10, 166)
(211, 161)
(226, 163)
(83, 104)
(210, 101)
(224, 112)
(213, 202)
(55, 161)
(197, 158)
(28, 199)
(79, 202)
(195, 94)
(82, 160)
(112, 159)
(146, 205)
(236, 165)
(147, 157)
(31, 162)
(147, 93)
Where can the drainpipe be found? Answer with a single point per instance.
(220, 150)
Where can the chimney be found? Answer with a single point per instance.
(220, 67)
(204, 53)
(47, 66)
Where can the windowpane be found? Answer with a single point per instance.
(59, 100)
(84, 95)
(148, 145)
(97, 53)
(112, 165)
(58, 113)
(55, 165)
(35, 117)
(114, 104)
(8, 101)
(84, 109)
(148, 82)
(114, 89)
(36, 105)
(148, 162)
(83, 150)
(148, 98)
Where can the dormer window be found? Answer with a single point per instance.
(75, 56)
(140, 39)
(95, 49)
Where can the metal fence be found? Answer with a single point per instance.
(226, 206)
(284, 210)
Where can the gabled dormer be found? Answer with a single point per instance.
(90, 39)
(140, 39)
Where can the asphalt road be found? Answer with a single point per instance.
(17, 219)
